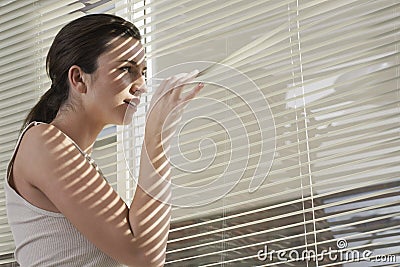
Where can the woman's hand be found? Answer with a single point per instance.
(167, 105)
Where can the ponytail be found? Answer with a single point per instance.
(47, 107)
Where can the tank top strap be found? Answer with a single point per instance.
(11, 163)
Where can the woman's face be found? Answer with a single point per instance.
(117, 81)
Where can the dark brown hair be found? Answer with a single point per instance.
(80, 43)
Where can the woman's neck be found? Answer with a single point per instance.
(80, 129)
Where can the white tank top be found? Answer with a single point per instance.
(45, 238)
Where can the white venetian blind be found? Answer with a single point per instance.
(27, 29)
(330, 73)
(324, 105)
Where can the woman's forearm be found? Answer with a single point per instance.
(150, 212)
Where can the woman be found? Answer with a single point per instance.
(61, 210)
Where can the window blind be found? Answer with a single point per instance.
(324, 105)
(329, 74)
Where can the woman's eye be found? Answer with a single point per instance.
(128, 69)
(132, 70)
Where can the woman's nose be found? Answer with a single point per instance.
(143, 86)
(140, 90)
(139, 86)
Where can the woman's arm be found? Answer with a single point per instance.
(137, 237)
(150, 211)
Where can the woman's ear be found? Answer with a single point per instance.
(76, 79)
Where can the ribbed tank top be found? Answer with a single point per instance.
(44, 238)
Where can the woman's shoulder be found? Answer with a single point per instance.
(41, 148)
(43, 137)
(35, 161)
(38, 131)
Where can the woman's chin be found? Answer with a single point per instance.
(128, 118)
(126, 122)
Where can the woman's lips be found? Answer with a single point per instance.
(133, 102)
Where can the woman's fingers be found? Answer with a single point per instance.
(180, 83)
(168, 104)
(169, 94)
(193, 93)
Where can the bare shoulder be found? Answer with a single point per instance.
(26, 158)
(58, 169)
(39, 148)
